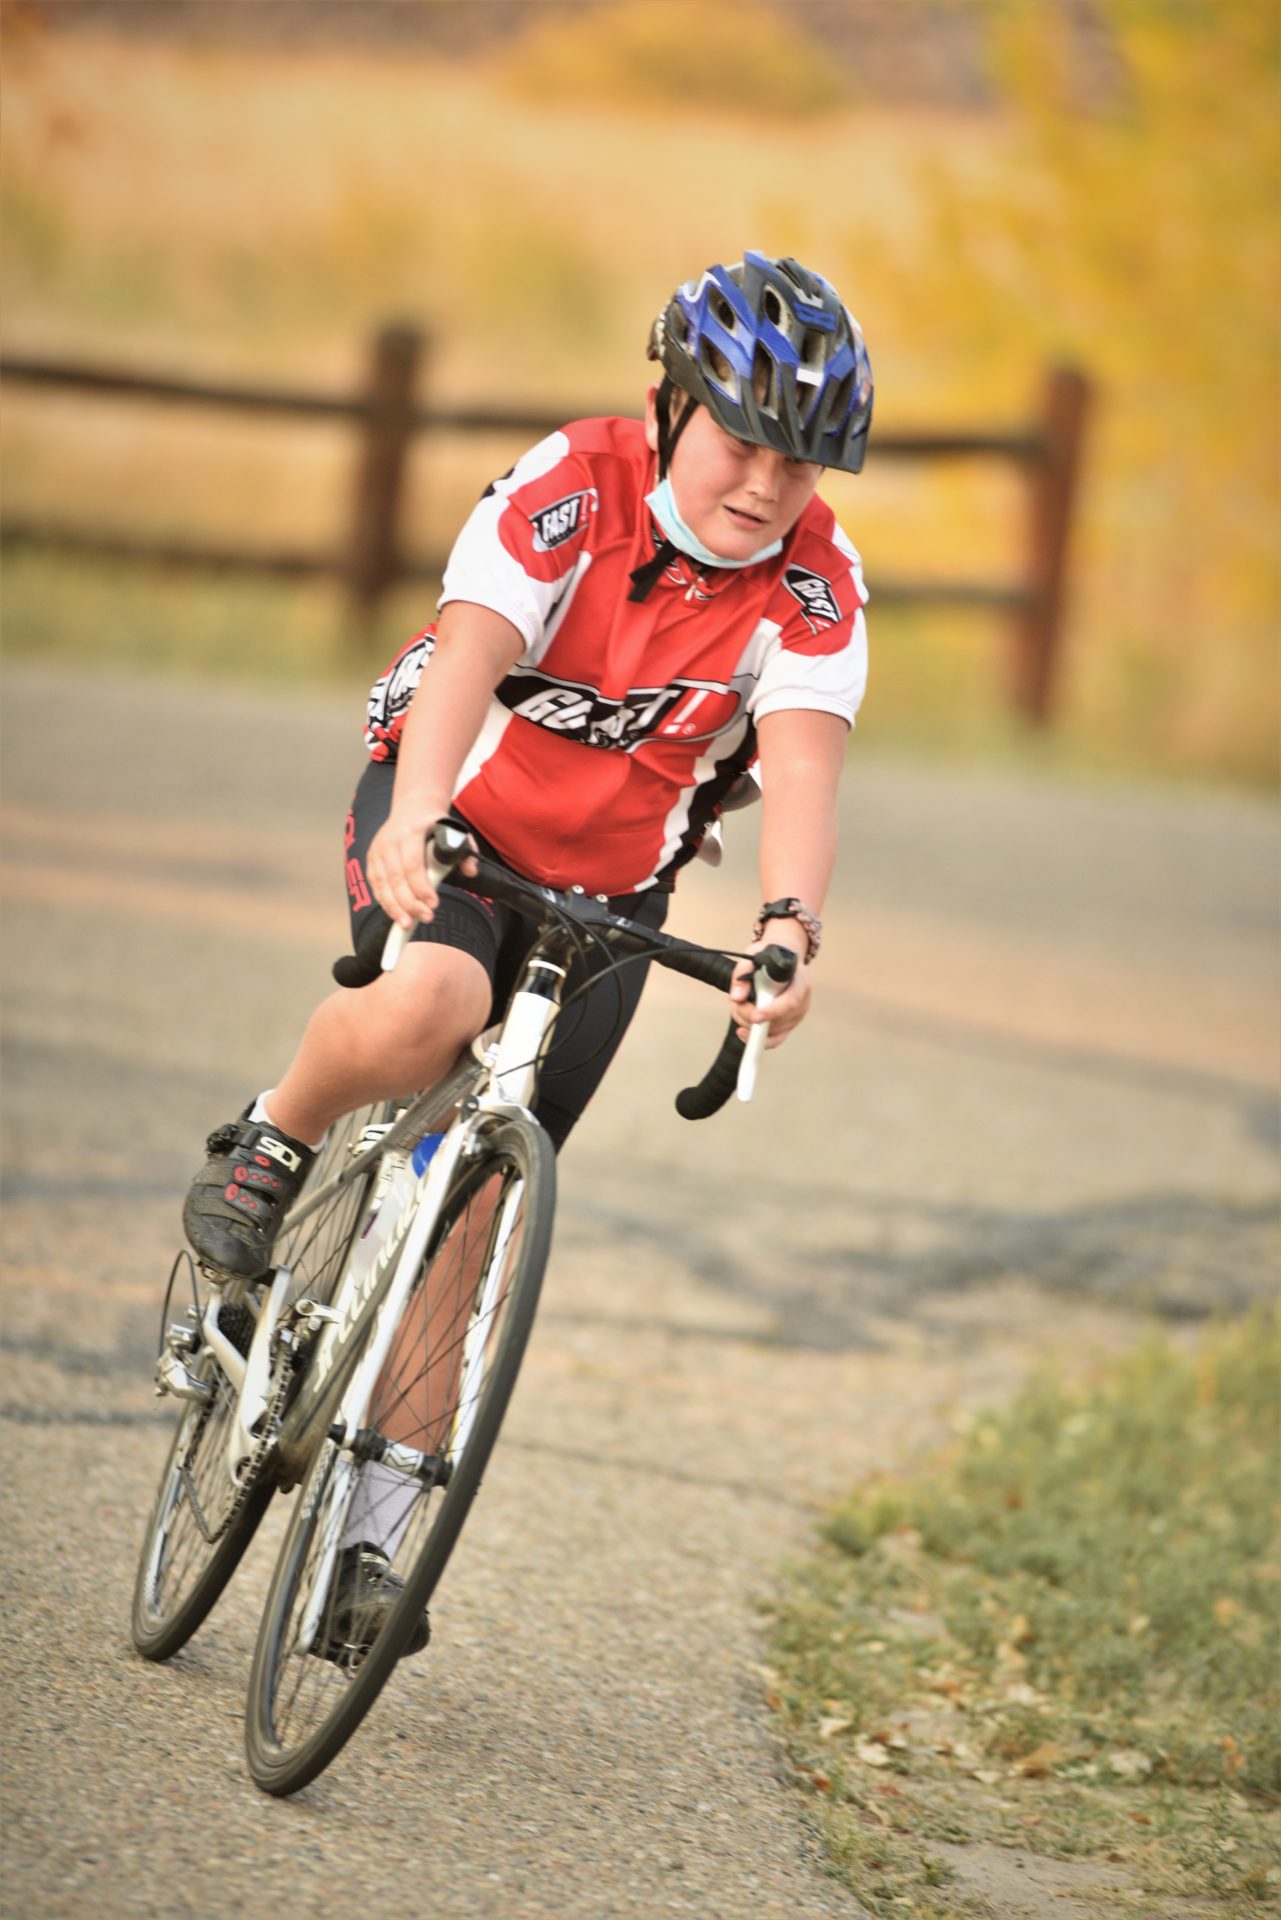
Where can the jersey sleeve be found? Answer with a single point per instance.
(817, 657)
(520, 546)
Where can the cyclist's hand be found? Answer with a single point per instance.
(791, 1006)
(397, 868)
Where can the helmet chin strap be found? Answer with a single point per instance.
(644, 576)
(668, 435)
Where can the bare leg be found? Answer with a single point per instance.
(377, 1042)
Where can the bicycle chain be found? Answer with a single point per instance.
(254, 1466)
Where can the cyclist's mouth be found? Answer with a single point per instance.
(749, 521)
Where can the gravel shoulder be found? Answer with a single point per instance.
(1035, 1105)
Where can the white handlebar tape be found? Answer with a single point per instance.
(399, 937)
(755, 1045)
(394, 945)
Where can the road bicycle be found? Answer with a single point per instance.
(372, 1367)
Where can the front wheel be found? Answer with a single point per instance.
(376, 1519)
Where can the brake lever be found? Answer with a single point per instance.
(446, 846)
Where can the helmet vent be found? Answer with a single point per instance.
(838, 405)
(765, 381)
(716, 364)
(723, 311)
(772, 306)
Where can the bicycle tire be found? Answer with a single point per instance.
(304, 1703)
(181, 1573)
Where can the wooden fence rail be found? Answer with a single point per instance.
(387, 415)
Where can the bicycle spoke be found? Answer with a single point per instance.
(440, 1381)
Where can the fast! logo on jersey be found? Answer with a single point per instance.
(589, 716)
(556, 524)
(816, 595)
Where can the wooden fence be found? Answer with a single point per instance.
(388, 413)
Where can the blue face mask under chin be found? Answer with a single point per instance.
(662, 504)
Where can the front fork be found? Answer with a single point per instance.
(353, 1443)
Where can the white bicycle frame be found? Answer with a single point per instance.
(506, 1088)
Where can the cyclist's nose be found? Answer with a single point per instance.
(764, 476)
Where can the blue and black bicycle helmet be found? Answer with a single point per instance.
(768, 348)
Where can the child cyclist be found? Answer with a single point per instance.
(636, 623)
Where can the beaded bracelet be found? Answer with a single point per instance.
(792, 909)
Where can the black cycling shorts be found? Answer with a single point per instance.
(588, 1035)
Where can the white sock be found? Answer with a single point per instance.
(261, 1118)
(380, 1509)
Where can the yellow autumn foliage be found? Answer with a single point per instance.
(240, 210)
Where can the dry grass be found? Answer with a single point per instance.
(1064, 1641)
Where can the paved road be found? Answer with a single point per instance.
(1036, 1101)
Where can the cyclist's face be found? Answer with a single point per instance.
(737, 497)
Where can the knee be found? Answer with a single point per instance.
(434, 1002)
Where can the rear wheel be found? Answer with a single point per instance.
(404, 1483)
(201, 1522)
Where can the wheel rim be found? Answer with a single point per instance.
(472, 1265)
(194, 1502)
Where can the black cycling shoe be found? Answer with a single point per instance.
(365, 1591)
(242, 1193)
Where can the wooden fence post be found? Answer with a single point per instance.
(373, 558)
(1039, 626)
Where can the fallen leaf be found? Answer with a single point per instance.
(829, 1728)
(1140, 1624)
(812, 1777)
(1019, 1692)
(989, 1776)
(1226, 1609)
(1041, 1761)
(1128, 1763)
(950, 1688)
(873, 1754)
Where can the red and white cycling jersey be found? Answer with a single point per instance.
(610, 747)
